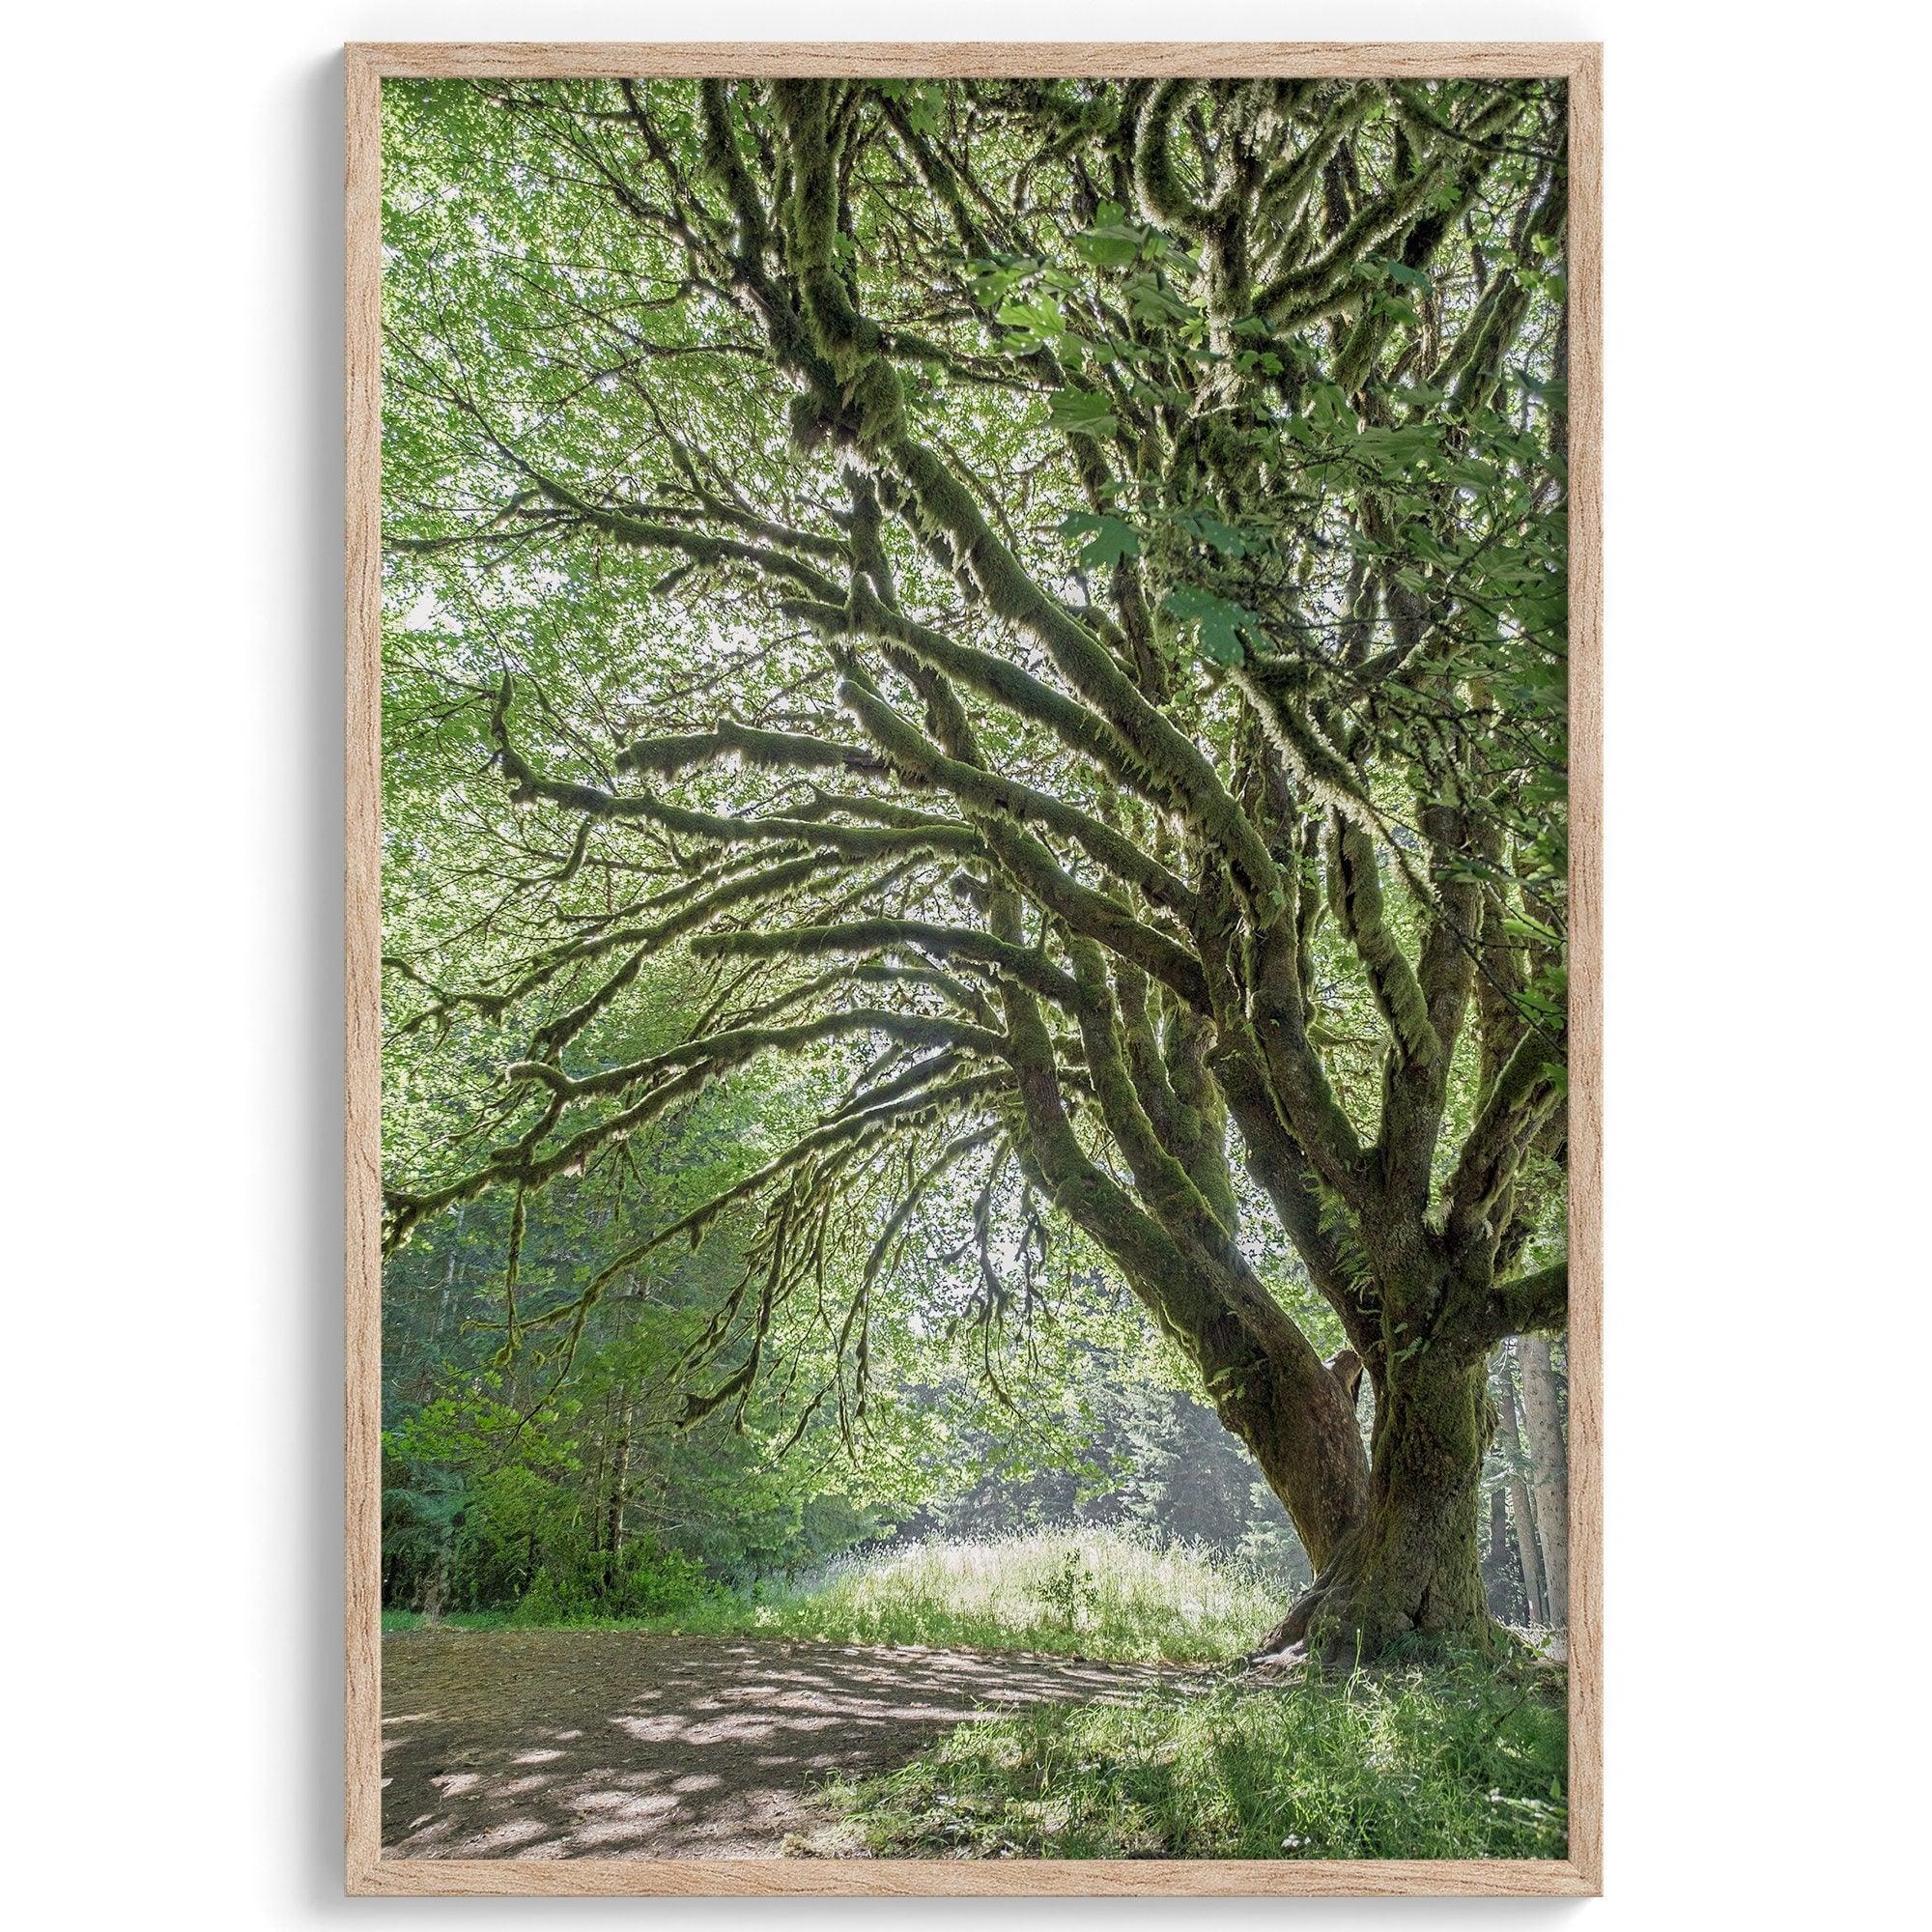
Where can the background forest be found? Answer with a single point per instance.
(597, 1505)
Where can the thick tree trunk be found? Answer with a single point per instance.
(1304, 1434)
(1535, 1604)
(1549, 1469)
(1413, 1566)
(1294, 1411)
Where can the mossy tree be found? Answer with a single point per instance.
(1051, 596)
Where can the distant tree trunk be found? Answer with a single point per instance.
(1549, 1469)
(619, 1481)
(1535, 1604)
(596, 1495)
(1502, 1572)
(449, 1276)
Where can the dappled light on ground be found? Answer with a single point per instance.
(573, 1743)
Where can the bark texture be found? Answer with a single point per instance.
(1411, 1567)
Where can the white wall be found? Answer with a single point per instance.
(171, 409)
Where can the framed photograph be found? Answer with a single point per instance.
(974, 950)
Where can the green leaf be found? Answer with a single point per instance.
(1522, 926)
(1556, 395)
(1209, 529)
(1113, 241)
(1081, 413)
(1218, 626)
(1108, 538)
(1395, 449)
(1148, 301)
(1038, 318)
(1329, 408)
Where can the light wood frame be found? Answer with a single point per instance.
(367, 65)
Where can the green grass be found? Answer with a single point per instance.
(1099, 1593)
(1455, 1761)
(468, 1620)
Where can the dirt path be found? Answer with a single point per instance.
(612, 1744)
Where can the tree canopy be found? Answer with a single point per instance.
(1039, 606)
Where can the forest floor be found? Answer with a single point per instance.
(586, 1743)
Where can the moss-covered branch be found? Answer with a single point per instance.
(860, 938)
(719, 1051)
(1532, 1303)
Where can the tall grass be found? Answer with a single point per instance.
(1109, 1594)
(1092, 1592)
(1447, 1760)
